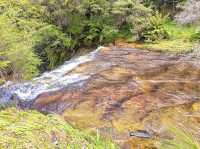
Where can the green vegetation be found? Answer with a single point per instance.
(196, 36)
(153, 28)
(180, 38)
(182, 140)
(179, 32)
(39, 35)
(31, 129)
(36, 36)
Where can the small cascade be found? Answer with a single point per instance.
(49, 81)
(116, 88)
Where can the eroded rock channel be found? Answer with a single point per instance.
(118, 91)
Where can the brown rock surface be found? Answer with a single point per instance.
(129, 89)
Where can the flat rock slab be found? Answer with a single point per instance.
(125, 87)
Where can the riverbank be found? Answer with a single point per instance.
(31, 129)
(119, 90)
(181, 39)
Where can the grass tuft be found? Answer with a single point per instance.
(181, 140)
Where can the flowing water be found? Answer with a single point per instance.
(122, 91)
(49, 81)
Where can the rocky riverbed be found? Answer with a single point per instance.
(129, 94)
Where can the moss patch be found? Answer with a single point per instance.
(30, 129)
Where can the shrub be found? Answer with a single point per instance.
(19, 22)
(91, 33)
(152, 28)
(97, 32)
(128, 11)
(53, 47)
(108, 34)
(16, 51)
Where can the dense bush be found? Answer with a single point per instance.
(53, 47)
(154, 28)
(28, 39)
(16, 45)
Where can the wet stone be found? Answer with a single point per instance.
(140, 134)
(121, 88)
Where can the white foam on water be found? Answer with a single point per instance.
(49, 81)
